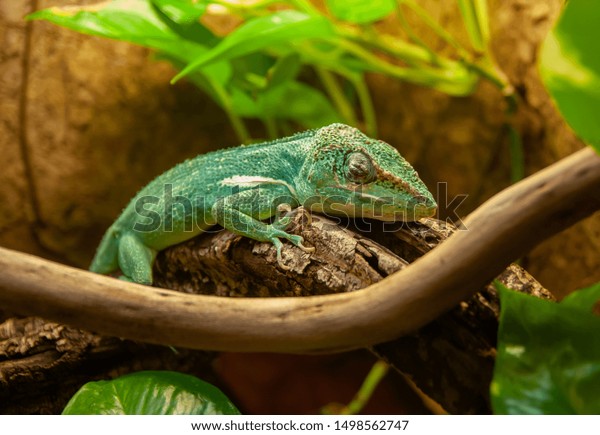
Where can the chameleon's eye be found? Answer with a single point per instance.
(359, 168)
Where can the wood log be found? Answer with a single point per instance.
(451, 359)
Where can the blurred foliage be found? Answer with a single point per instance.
(548, 359)
(548, 354)
(570, 68)
(254, 71)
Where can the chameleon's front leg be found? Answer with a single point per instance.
(242, 213)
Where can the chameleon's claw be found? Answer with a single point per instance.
(298, 240)
(278, 246)
(284, 208)
(307, 249)
(306, 212)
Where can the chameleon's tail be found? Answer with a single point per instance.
(106, 259)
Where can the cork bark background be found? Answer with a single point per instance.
(85, 122)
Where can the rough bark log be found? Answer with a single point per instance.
(502, 229)
(42, 364)
(451, 359)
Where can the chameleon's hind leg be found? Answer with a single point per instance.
(135, 259)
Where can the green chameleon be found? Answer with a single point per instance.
(334, 170)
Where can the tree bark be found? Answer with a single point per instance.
(42, 363)
(450, 359)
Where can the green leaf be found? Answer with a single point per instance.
(548, 359)
(263, 32)
(136, 21)
(360, 11)
(243, 104)
(298, 102)
(295, 101)
(150, 393)
(570, 68)
(250, 71)
(285, 70)
(181, 11)
(587, 299)
(475, 17)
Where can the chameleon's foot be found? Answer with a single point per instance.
(296, 240)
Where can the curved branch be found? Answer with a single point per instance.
(502, 229)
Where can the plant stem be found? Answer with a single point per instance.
(439, 30)
(517, 159)
(236, 121)
(358, 402)
(336, 94)
(243, 9)
(428, 76)
(305, 6)
(405, 51)
(366, 104)
(412, 35)
(271, 127)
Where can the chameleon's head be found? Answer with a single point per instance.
(350, 174)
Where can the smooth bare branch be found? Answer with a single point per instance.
(502, 229)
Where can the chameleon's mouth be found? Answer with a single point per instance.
(389, 209)
(386, 209)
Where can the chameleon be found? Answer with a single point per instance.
(251, 190)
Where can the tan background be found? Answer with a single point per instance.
(85, 122)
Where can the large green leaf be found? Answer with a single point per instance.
(548, 358)
(136, 21)
(361, 11)
(150, 393)
(263, 32)
(570, 67)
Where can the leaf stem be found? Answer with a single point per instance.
(412, 35)
(433, 25)
(336, 94)
(366, 104)
(271, 127)
(375, 376)
(517, 159)
(236, 121)
(305, 6)
(453, 81)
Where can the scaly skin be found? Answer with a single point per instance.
(334, 170)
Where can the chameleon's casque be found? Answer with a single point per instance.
(333, 170)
